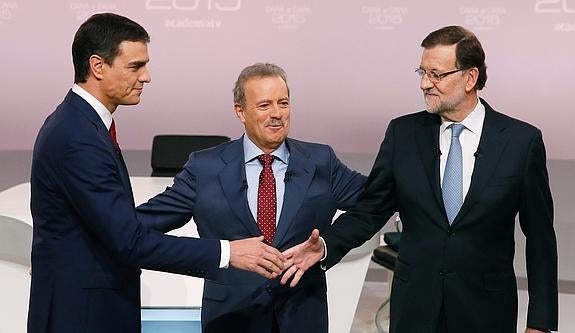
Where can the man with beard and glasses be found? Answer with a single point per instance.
(458, 173)
(263, 183)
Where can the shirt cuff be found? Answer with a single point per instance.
(324, 249)
(225, 254)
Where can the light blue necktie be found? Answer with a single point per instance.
(452, 187)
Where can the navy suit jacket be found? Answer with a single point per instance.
(212, 190)
(87, 244)
(467, 267)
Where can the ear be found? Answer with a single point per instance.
(472, 76)
(96, 66)
(240, 112)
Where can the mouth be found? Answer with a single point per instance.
(275, 125)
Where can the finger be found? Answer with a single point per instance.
(296, 278)
(314, 237)
(288, 274)
(263, 272)
(272, 262)
(272, 250)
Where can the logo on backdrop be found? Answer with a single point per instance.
(562, 10)
(384, 18)
(83, 10)
(486, 18)
(288, 17)
(185, 12)
(7, 11)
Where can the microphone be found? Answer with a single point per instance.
(477, 153)
(287, 177)
(436, 151)
(244, 185)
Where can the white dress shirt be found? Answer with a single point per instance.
(469, 140)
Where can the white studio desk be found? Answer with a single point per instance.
(345, 280)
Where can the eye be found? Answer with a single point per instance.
(263, 106)
(284, 104)
(434, 76)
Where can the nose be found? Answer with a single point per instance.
(425, 83)
(275, 111)
(145, 76)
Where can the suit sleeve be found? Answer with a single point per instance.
(346, 184)
(373, 209)
(536, 221)
(174, 207)
(90, 179)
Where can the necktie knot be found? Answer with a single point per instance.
(266, 160)
(456, 130)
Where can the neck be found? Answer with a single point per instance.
(463, 110)
(93, 89)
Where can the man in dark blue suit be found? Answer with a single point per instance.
(221, 188)
(88, 246)
(458, 173)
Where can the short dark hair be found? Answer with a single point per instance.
(469, 52)
(256, 70)
(101, 35)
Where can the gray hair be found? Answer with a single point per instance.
(256, 70)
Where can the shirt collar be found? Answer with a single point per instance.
(473, 121)
(251, 151)
(101, 110)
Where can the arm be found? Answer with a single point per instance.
(346, 184)
(107, 212)
(536, 221)
(174, 207)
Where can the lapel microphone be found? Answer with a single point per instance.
(477, 153)
(244, 184)
(436, 152)
(287, 176)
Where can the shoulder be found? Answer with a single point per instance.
(505, 122)
(308, 148)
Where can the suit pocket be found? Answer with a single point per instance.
(215, 291)
(499, 281)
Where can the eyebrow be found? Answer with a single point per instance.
(137, 63)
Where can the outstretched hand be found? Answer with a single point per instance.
(252, 254)
(301, 257)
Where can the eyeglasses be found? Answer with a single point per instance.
(435, 77)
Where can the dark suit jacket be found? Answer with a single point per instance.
(466, 267)
(212, 190)
(87, 244)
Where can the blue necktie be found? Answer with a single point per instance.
(452, 187)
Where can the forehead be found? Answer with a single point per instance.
(133, 52)
(266, 86)
(439, 57)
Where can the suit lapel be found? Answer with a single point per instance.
(491, 145)
(233, 183)
(301, 170)
(103, 135)
(427, 135)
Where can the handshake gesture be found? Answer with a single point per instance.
(252, 254)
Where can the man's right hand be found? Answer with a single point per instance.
(252, 254)
(301, 257)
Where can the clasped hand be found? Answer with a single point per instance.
(252, 254)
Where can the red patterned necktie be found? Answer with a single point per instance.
(113, 135)
(267, 199)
